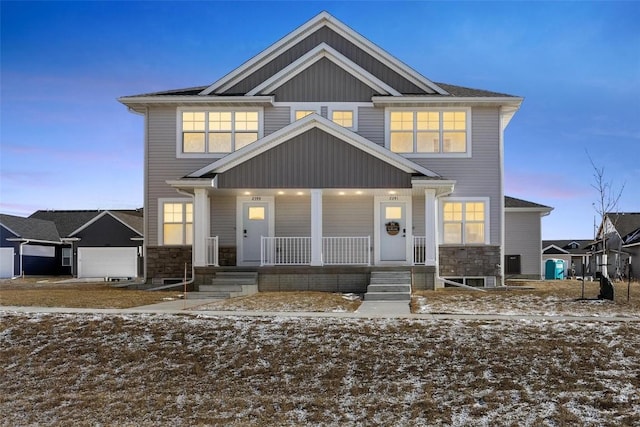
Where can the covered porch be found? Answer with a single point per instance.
(317, 227)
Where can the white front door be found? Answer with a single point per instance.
(255, 222)
(393, 231)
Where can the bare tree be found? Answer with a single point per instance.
(606, 203)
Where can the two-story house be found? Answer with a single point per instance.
(320, 159)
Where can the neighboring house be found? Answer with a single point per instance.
(575, 253)
(103, 243)
(319, 160)
(32, 247)
(621, 232)
(523, 236)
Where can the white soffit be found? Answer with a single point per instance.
(320, 20)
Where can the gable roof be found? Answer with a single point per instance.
(30, 228)
(626, 223)
(70, 222)
(514, 204)
(321, 51)
(300, 126)
(321, 20)
(564, 246)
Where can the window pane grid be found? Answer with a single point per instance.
(428, 131)
(463, 222)
(221, 131)
(177, 227)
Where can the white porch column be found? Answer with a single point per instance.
(431, 226)
(316, 227)
(201, 210)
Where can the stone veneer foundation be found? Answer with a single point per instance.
(470, 261)
(168, 262)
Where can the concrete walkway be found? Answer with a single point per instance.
(372, 310)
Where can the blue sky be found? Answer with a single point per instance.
(66, 143)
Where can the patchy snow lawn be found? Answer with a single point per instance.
(534, 298)
(326, 302)
(181, 370)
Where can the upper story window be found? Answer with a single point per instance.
(429, 132)
(465, 222)
(217, 131)
(342, 117)
(299, 114)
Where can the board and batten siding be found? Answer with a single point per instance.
(162, 165)
(523, 236)
(340, 44)
(478, 175)
(324, 81)
(314, 159)
(347, 216)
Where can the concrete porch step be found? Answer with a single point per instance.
(389, 285)
(389, 288)
(387, 296)
(207, 295)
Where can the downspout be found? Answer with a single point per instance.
(193, 267)
(21, 255)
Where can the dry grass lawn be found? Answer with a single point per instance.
(40, 292)
(562, 297)
(287, 301)
(161, 370)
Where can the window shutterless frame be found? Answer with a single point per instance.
(215, 132)
(429, 132)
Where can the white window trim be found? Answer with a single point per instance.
(487, 220)
(161, 202)
(181, 155)
(62, 257)
(331, 106)
(345, 107)
(387, 131)
(302, 106)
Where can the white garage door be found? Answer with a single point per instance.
(107, 262)
(6, 263)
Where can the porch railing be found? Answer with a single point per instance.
(346, 250)
(212, 251)
(285, 251)
(419, 251)
(297, 251)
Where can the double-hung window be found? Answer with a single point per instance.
(429, 132)
(464, 222)
(218, 131)
(66, 257)
(177, 223)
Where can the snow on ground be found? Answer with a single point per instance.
(186, 370)
(521, 303)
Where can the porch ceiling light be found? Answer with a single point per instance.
(341, 193)
(281, 192)
(299, 193)
(392, 192)
(358, 192)
(247, 193)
